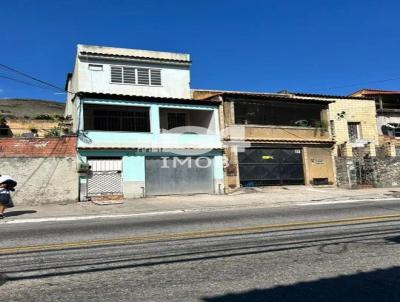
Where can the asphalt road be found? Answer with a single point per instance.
(340, 252)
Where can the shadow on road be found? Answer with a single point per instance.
(18, 213)
(379, 285)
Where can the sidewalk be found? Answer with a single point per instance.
(243, 198)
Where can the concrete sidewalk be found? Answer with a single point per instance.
(243, 198)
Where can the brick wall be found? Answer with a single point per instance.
(361, 111)
(38, 147)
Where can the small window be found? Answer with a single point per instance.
(393, 129)
(116, 74)
(176, 119)
(135, 76)
(95, 67)
(354, 131)
(155, 77)
(332, 126)
(143, 76)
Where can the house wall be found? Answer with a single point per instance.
(134, 173)
(318, 163)
(175, 79)
(362, 111)
(20, 126)
(45, 169)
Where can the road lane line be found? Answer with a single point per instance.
(198, 234)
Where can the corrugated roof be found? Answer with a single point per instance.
(290, 141)
(132, 53)
(122, 97)
(327, 96)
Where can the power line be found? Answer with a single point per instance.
(25, 83)
(362, 83)
(33, 78)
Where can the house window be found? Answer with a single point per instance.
(354, 131)
(135, 75)
(277, 113)
(393, 129)
(96, 67)
(176, 119)
(332, 126)
(132, 120)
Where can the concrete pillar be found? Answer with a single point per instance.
(390, 149)
(347, 150)
(371, 149)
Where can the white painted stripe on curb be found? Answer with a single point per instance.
(343, 201)
(90, 217)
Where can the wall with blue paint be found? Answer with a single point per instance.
(153, 139)
(133, 167)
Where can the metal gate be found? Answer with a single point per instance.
(363, 172)
(270, 166)
(179, 175)
(105, 177)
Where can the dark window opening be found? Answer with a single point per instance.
(277, 113)
(391, 129)
(117, 119)
(176, 119)
(354, 131)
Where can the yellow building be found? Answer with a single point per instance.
(352, 122)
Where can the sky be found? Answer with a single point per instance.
(329, 47)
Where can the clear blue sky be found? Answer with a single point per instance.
(306, 46)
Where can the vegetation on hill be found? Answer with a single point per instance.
(31, 109)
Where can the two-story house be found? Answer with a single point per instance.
(274, 139)
(387, 104)
(352, 123)
(139, 131)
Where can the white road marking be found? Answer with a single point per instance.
(342, 201)
(89, 217)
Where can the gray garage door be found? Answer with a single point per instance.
(183, 175)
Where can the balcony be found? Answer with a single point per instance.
(152, 127)
(276, 133)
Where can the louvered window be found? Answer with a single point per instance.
(155, 77)
(134, 75)
(143, 76)
(129, 75)
(116, 74)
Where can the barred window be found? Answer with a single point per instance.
(131, 120)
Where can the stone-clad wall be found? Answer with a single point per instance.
(387, 172)
(378, 172)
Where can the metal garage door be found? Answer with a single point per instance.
(169, 176)
(270, 166)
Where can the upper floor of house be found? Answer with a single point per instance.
(387, 103)
(126, 122)
(277, 117)
(124, 71)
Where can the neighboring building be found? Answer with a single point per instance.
(352, 122)
(274, 139)
(387, 116)
(138, 128)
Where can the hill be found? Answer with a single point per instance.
(29, 108)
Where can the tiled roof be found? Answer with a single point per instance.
(265, 96)
(376, 92)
